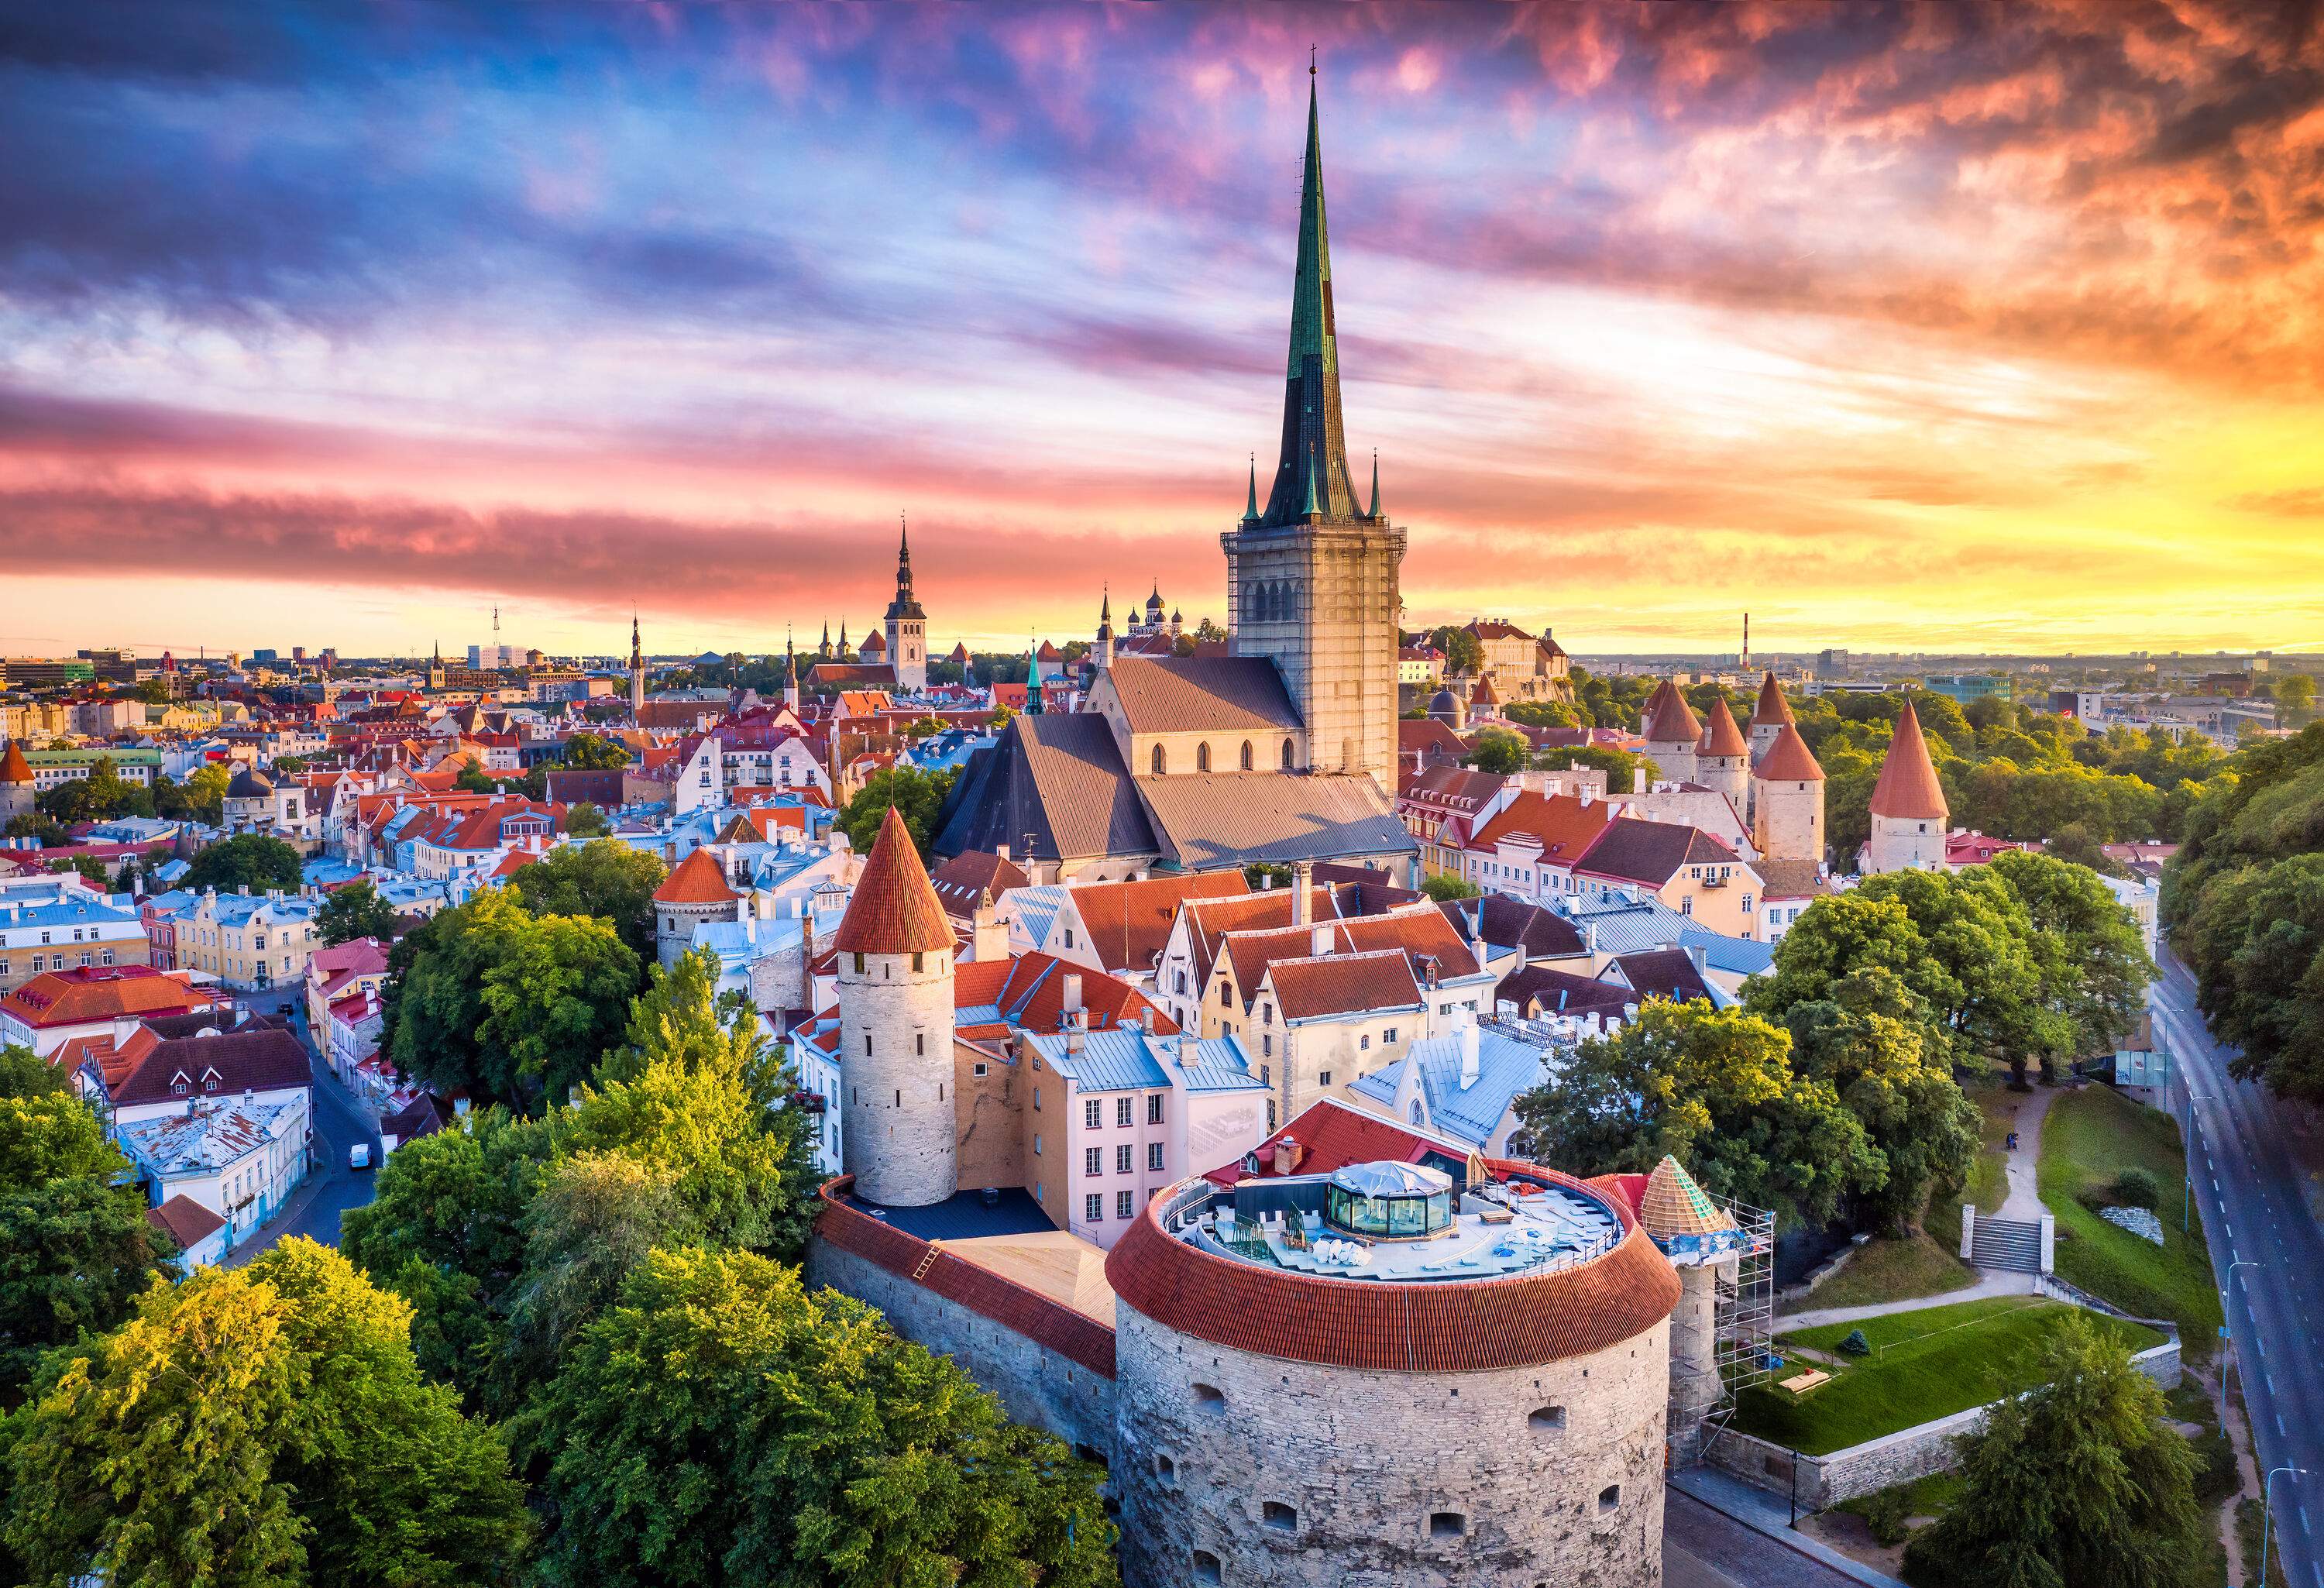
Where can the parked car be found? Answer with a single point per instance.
(359, 1156)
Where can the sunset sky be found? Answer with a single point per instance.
(1902, 327)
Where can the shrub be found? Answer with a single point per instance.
(1856, 1344)
(2138, 1187)
(1885, 1513)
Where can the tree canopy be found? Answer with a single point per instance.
(248, 860)
(722, 1425)
(918, 795)
(356, 910)
(258, 1427)
(2078, 1481)
(1497, 750)
(588, 751)
(603, 878)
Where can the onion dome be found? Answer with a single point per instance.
(894, 909)
(1908, 788)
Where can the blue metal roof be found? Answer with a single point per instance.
(1507, 1068)
(1736, 955)
(1132, 1060)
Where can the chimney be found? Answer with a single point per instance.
(987, 935)
(1701, 957)
(1288, 1155)
(1266, 882)
(1320, 937)
(1002, 849)
(1073, 993)
(1302, 902)
(1637, 779)
(1464, 1031)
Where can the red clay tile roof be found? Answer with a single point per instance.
(1073, 1335)
(268, 1060)
(1484, 694)
(99, 993)
(14, 767)
(1720, 737)
(1129, 922)
(1672, 719)
(184, 1220)
(1561, 823)
(894, 910)
(1634, 850)
(1344, 984)
(1451, 1326)
(1789, 760)
(698, 880)
(1772, 708)
(1331, 1135)
(973, 879)
(1908, 786)
(1029, 990)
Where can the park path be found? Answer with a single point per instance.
(2023, 1203)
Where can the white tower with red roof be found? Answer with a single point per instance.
(898, 1132)
(1909, 813)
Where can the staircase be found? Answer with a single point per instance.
(2006, 1244)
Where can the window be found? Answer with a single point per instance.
(918, 957)
(40, 962)
(1121, 1158)
(1182, 984)
(1265, 1077)
(1364, 1042)
(1746, 904)
(1121, 1111)
(1267, 1044)
(1125, 1205)
(1324, 1077)
(1275, 1514)
(105, 958)
(1069, 937)
(920, 1043)
(1203, 756)
(1094, 1207)
(859, 965)
(1154, 1109)
(1161, 762)
(1687, 905)
(1210, 1398)
(1547, 1419)
(1287, 755)
(1389, 1035)
(1225, 999)
(1092, 1114)
(1036, 1100)
(1609, 1497)
(1037, 1152)
(1206, 1567)
(867, 1044)
(1154, 1154)
(1165, 1468)
(1093, 1160)
(1447, 1523)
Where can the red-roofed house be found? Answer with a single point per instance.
(337, 969)
(56, 1006)
(1966, 847)
(1331, 1135)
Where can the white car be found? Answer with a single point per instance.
(359, 1156)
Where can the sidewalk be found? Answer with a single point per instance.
(1770, 1514)
(2023, 1203)
(1992, 1284)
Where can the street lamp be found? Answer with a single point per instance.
(2266, 1489)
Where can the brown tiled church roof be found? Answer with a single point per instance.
(1789, 760)
(894, 909)
(1908, 787)
(1720, 737)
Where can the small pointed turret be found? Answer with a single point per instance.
(1375, 512)
(1311, 510)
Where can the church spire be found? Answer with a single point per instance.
(1311, 401)
(1375, 512)
(1250, 503)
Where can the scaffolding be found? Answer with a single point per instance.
(1743, 1332)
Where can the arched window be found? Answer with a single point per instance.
(1161, 761)
(1287, 755)
(1203, 756)
(1245, 755)
(1286, 602)
(1258, 603)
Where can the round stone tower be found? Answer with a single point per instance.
(16, 783)
(1373, 1377)
(1673, 732)
(1702, 1241)
(900, 1138)
(1787, 800)
(694, 893)
(1909, 814)
(1769, 717)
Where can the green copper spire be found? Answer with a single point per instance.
(1375, 512)
(1311, 510)
(1033, 677)
(1250, 504)
(1311, 400)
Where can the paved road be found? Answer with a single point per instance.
(1703, 1549)
(2250, 1187)
(330, 1187)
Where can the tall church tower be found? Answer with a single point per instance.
(1312, 578)
(908, 625)
(637, 673)
(897, 1131)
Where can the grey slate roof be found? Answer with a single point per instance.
(1188, 694)
(1503, 922)
(1057, 777)
(1210, 820)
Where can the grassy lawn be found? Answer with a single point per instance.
(1988, 1180)
(2091, 1137)
(1892, 1271)
(1926, 1363)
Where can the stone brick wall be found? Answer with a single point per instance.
(1787, 819)
(1900, 1457)
(1286, 1473)
(1035, 1385)
(897, 1129)
(1899, 845)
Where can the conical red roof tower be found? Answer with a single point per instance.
(1908, 788)
(1720, 737)
(894, 909)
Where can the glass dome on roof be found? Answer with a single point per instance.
(1390, 1200)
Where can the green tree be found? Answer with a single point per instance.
(1497, 750)
(918, 795)
(2078, 1481)
(38, 825)
(248, 860)
(1542, 714)
(1208, 633)
(1717, 1090)
(202, 796)
(1874, 1043)
(75, 1253)
(2295, 698)
(52, 1135)
(1464, 656)
(88, 868)
(553, 1006)
(100, 796)
(356, 910)
(435, 1000)
(473, 778)
(258, 1427)
(25, 1073)
(603, 878)
(585, 820)
(286, 766)
(677, 1020)
(721, 1421)
(2086, 945)
(588, 751)
(1445, 886)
